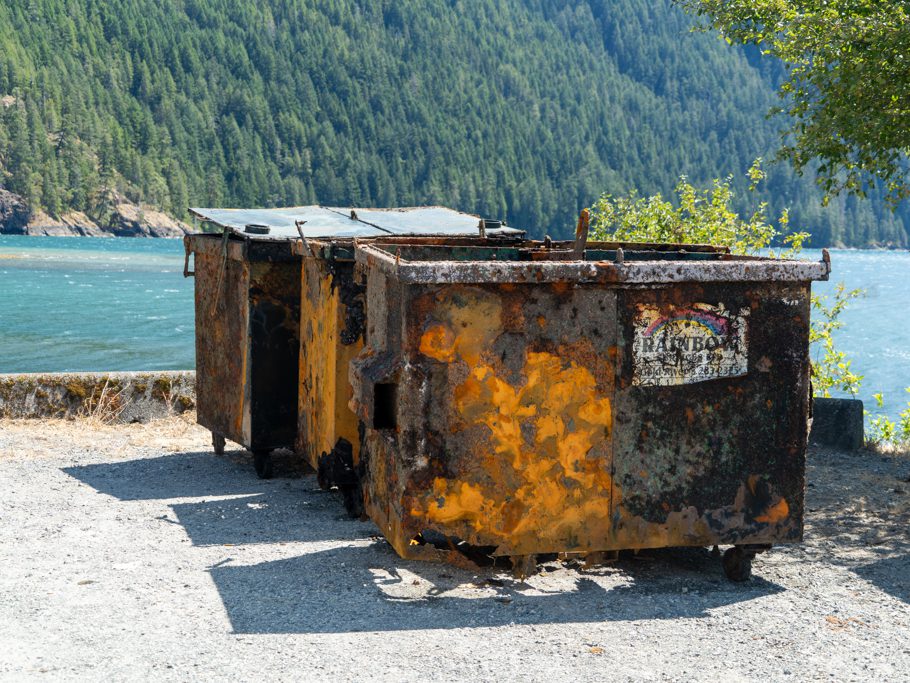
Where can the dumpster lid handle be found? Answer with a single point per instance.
(299, 225)
(581, 234)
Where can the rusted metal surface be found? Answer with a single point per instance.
(350, 222)
(715, 452)
(331, 334)
(332, 329)
(247, 316)
(601, 266)
(512, 406)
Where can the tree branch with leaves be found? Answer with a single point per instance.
(847, 90)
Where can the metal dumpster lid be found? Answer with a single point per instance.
(605, 271)
(325, 221)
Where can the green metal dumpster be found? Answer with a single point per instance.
(248, 300)
(515, 403)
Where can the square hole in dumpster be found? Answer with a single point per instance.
(385, 406)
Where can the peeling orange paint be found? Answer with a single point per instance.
(545, 474)
(519, 451)
(437, 342)
(775, 513)
(324, 415)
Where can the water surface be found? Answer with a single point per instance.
(876, 331)
(83, 304)
(87, 304)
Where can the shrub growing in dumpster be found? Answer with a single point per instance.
(705, 216)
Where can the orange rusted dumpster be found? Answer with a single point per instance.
(249, 347)
(333, 321)
(514, 403)
(247, 321)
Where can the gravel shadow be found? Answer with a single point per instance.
(859, 503)
(368, 588)
(281, 516)
(182, 475)
(280, 510)
(890, 575)
(362, 585)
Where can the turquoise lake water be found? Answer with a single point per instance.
(81, 303)
(876, 331)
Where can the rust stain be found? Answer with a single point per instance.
(541, 479)
(438, 342)
(540, 483)
(775, 514)
(241, 395)
(324, 415)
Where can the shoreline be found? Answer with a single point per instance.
(166, 233)
(103, 236)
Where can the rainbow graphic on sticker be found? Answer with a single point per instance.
(693, 343)
(715, 324)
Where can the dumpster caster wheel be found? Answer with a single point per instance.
(218, 443)
(353, 501)
(524, 566)
(738, 563)
(262, 461)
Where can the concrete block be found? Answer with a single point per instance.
(837, 423)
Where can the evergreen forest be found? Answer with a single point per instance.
(527, 110)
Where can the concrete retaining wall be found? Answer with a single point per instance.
(142, 396)
(110, 396)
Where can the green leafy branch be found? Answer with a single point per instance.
(705, 216)
(831, 368)
(883, 429)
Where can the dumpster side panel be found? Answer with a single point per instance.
(712, 406)
(222, 339)
(500, 433)
(274, 300)
(331, 332)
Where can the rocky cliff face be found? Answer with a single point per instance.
(67, 225)
(130, 220)
(14, 213)
(126, 220)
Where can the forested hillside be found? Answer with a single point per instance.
(527, 109)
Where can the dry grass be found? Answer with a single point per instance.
(174, 434)
(105, 406)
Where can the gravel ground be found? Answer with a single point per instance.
(131, 552)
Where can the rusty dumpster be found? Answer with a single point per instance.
(515, 404)
(333, 321)
(248, 297)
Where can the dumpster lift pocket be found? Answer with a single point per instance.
(385, 406)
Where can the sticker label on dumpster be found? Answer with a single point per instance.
(687, 344)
